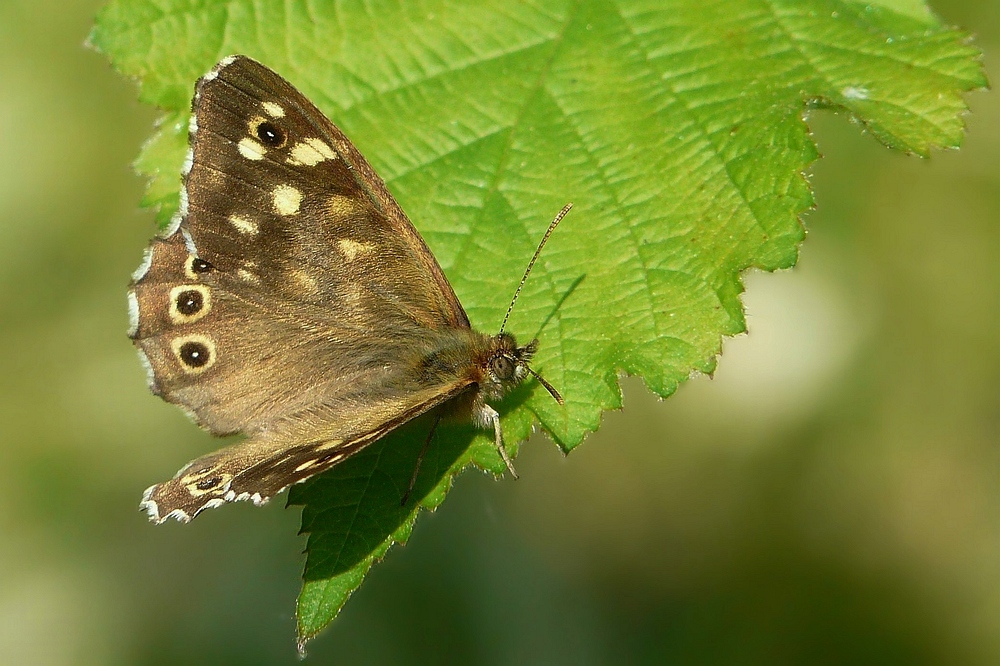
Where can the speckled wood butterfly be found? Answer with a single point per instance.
(291, 300)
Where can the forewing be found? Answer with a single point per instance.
(278, 194)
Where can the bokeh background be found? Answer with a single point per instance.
(831, 497)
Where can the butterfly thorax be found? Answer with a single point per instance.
(489, 366)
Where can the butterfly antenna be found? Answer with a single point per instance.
(548, 387)
(538, 251)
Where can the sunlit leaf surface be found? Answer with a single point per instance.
(676, 128)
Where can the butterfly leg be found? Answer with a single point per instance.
(491, 415)
(420, 460)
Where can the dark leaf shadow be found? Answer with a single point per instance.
(555, 308)
(353, 508)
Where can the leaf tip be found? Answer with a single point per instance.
(300, 646)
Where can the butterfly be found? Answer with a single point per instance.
(292, 301)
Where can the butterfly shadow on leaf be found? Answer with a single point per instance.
(562, 299)
(349, 510)
(352, 508)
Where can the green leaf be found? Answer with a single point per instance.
(157, 162)
(676, 128)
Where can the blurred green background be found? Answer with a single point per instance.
(831, 497)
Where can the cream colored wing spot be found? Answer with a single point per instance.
(254, 124)
(341, 207)
(244, 225)
(286, 199)
(272, 109)
(251, 149)
(352, 249)
(189, 268)
(333, 443)
(306, 465)
(189, 303)
(304, 281)
(195, 352)
(322, 460)
(247, 276)
(310, 152)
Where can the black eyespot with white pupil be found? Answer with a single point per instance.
(200, 266)
(270, 134)
(190, 302)
(194, 354)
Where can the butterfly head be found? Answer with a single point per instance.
(507, 366)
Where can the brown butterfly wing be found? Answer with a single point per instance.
(264, 364)
(292, 300)
(263, 466)
(273, 182)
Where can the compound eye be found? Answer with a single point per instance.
(502, 367)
